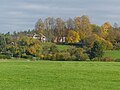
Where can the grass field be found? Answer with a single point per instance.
(46, 75)
(114, 54)
(63, 47)
(60, 47)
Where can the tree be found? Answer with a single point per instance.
(116, 35)
(96, 29)
(39, 26)
(29, 45)
(2, 44)
(115, 25)
(97, 50)
(60, 29)
(49, 26)
(78, 53)
(77, 21)
(70, 24)
(73, 37)
(85, 27)
(105, 28)
(89, 42)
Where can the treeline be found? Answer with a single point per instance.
(79, 30)
(86, 41)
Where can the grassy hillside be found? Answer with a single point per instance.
(60, 47)
(114, 54)
(59, 76)
(63, 47)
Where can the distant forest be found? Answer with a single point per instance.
(86, 41)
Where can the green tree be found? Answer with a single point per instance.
(97, 50)
(2, 44)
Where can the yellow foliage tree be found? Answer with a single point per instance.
(94, 37)
(32, 45)
(105, 29)
(77, 23)
(73, 37)
(85, 26)
(107, 44)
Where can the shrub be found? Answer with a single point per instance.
(84, 57)
(5, 57)
(79, 53)
(107, 59)
(117, 46)
(27, 56)
(117, 60)
(49, 57)
(66, 56)
(62, 56)
(24, 55)
(57, 56)
(72, 50)
(49, 48)
(81, 56)
(40, 56)
(73, 58)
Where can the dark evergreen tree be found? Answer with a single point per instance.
(97, 50)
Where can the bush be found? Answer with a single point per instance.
(5, 57)
(117, 60)
(48, 57)
(49, 48)
(26, 56)
(84, 57)
(51, 52)
(107, 59)
(117, 46)
(62, 56)
(40, 56)
(73, 58)
(79, 53)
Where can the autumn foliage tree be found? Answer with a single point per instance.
(105, 28)
(73, 37)
(30, 46)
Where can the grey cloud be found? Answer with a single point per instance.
(22, 14)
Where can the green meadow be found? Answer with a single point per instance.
(115, 54)
(48, 75)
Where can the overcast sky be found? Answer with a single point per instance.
(17, 15)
